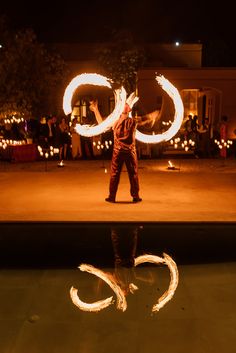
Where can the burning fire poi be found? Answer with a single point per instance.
(96, 80)
(173, 93)
(120, 100)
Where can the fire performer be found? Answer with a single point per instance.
(124, 149)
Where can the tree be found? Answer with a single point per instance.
(29, 73)
(121, 59)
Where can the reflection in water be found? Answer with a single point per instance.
(97, 306)
(124, 240)
(174, 276)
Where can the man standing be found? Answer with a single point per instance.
(49, 131)
(124, 149)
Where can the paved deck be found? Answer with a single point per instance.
(200, 190)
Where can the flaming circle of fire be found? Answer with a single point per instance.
(121, 300)
(178, 117)
(96, 80)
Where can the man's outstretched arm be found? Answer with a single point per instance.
(94, 108)
(148, 119)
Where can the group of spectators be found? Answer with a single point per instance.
(52, 131)
(58, 133)
(204, 134)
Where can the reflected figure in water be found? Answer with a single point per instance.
(124, 242)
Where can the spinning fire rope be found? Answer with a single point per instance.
(97, 80)
(120, 100)
(178, 117)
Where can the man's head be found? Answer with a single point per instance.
(49, 119)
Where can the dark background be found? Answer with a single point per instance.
(66, 244)
(149, 20)
(211, 23)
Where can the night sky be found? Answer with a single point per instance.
(206, 22)
(149, 20)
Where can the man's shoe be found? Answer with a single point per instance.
(137, 199)
(109, 199)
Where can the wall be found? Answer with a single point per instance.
(220, 80)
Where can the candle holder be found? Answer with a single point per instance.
(47, 153)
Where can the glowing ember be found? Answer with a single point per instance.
(178, 117)
(97, 80)
(174, 276)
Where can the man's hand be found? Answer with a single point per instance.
(131, 100)
(93, 106)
